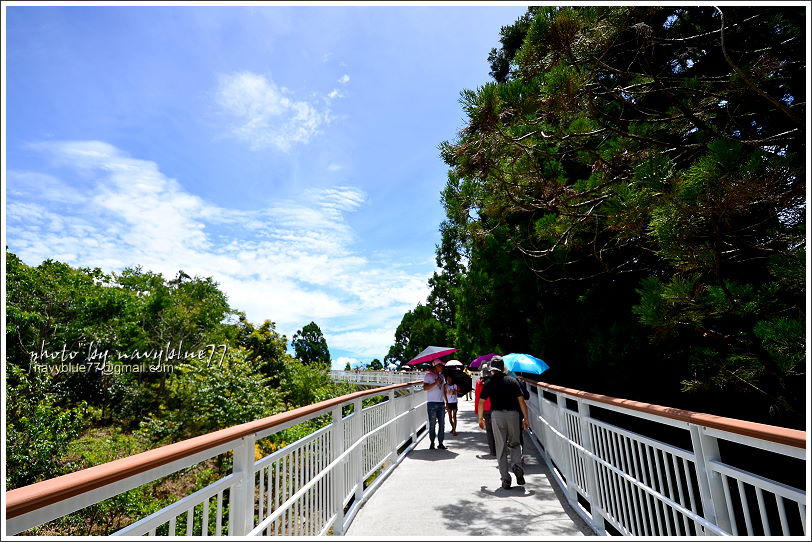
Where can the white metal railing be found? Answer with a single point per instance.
(310, 487)
(622, 479)
(375, 378)
(624, 482)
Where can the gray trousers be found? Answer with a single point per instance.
(506, 432)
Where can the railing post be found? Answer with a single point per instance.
(393, 427)
(339, 472)
(565, 462)
(358, 431)
(591, 475)
(711, 488)
(413, 413)
(542, 436)
(241, 514)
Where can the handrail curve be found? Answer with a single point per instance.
(25, 499)
(780, 435)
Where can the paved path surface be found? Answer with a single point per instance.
(457, 492)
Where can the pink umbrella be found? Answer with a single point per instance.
(430, 353)
(478, 361)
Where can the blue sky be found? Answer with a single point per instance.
(288, 152)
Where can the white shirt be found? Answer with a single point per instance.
(435, 394)
(451, 392)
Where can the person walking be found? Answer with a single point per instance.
(451, 392)
(436, 401)
(484, 376)
(468, 393)
(526, 395)
(507, 403)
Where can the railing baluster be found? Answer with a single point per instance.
(681, 493)
(205, 518)
(689, 480)
(765, 522)
(648, 521)
(269, 490)
(610, 458)
(729, 502)
(672, 490)
(219, 517)
(639, 520)
(628, 514)
(190, 521)
(652, 483)
(277, 492)
(745, 508)
(606, 475)
(261, 497)
(782, 515)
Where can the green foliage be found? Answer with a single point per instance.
(305, 384)
(61, 419)
(375, 365)
(204, 397)
(37, 432)
(629, 196)
(310, 345)
(418, 329)
(267, 348)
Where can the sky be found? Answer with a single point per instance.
(288, 152)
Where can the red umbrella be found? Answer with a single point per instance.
(430, 353)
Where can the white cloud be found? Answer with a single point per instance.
(335, 167)
(267, 115)
(42, 187)
(292, 262)
(335, 93)
(344, 79)
(340, 363)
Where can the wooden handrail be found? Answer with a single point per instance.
(32, 497)
(771, 433)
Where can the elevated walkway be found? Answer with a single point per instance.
(620, 467)
(457, 492)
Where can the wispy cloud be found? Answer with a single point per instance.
(292, 262)
(344, 79)
(266, 115)
(39, 186)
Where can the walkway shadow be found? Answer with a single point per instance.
(432, 455)
(519, 505)
(469, 518)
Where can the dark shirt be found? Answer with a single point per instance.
(504, 392)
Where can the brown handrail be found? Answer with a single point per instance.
(771, 433)
(32, 497)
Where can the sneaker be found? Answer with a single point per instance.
(505, 484)
(442, 447)
(519, 472)
(431, 446)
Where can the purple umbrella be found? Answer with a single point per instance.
(478, 361)
(430, 353)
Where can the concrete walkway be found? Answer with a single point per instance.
(457, 492)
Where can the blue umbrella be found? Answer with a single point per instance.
(524, 363)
